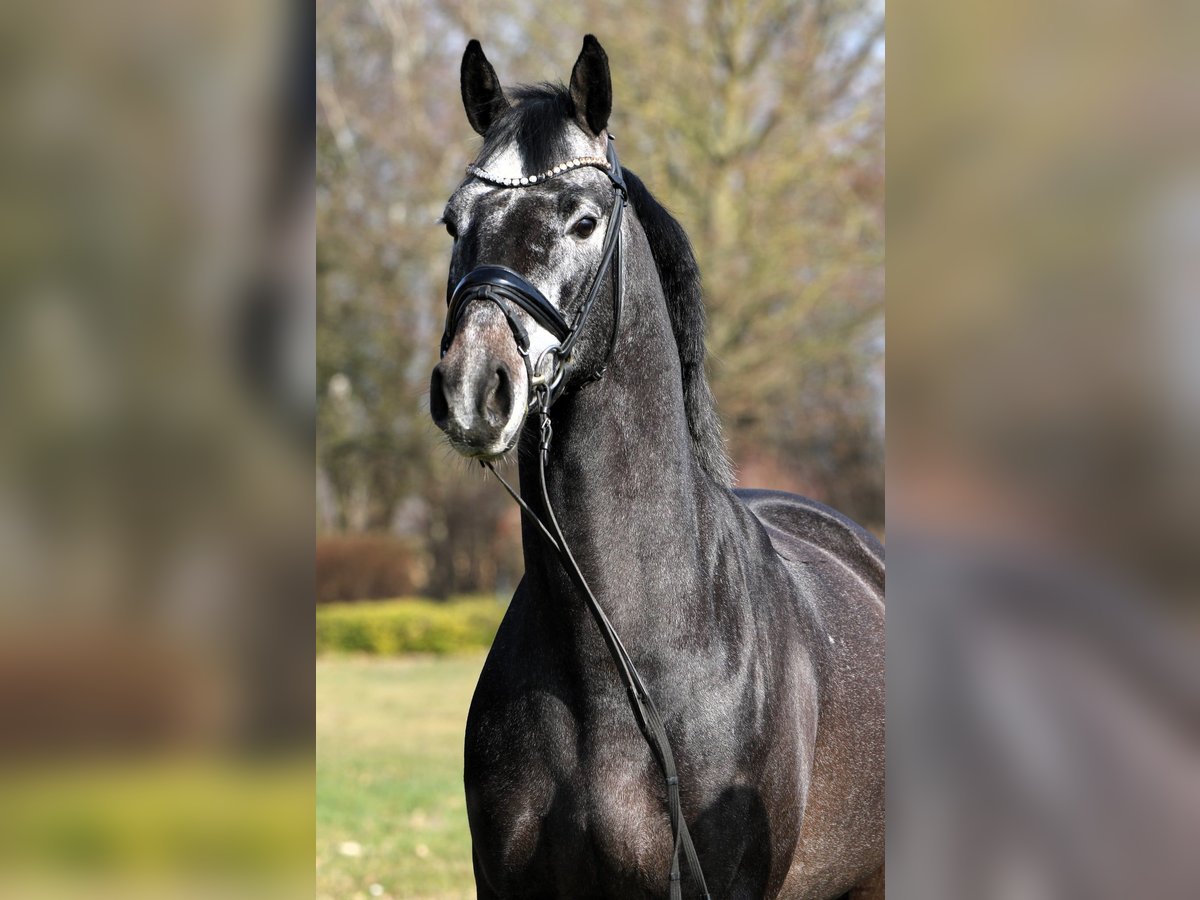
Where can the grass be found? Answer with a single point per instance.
(391, 817)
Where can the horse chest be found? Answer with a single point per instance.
(584, 806)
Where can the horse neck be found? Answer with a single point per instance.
(627, 493)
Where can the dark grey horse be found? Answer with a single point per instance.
(755, 617)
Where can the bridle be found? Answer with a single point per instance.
(507, 289)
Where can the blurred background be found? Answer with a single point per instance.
(156, 407)
(759, 125)
(1043, 450)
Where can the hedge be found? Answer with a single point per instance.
(408, 626)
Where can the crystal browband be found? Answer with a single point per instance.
(578, 162)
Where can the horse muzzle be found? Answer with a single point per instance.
(478, 392)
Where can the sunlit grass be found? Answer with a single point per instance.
(391, 817)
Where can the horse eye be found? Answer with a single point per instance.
(584, 227)
(450, 229)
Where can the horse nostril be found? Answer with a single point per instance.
(498, 402)
(438, 407)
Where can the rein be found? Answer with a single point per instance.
(506, 288)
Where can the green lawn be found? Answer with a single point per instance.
(391, 818)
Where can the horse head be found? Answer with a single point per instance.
(536, 226)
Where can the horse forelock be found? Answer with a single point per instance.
(536, 133)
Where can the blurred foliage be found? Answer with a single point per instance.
(409, 626)
(758, 123)
(156, 345)
(354, 567)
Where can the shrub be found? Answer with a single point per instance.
(366, 567)
(408, 626)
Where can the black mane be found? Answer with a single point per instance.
(680, 276)
(535, 123)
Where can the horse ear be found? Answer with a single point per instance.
(481, 92)
(591, 86)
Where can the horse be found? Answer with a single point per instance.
(755, 617)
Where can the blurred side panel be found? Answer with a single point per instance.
(156, 405)
(1044, 450)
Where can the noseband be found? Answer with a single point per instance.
(510, 291)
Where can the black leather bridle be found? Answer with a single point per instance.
(507, 289)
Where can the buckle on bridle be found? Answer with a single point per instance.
(547, 430)
(548, 377)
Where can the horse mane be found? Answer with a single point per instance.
(534, 122)
(680, 276)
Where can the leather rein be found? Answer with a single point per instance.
(509, 291)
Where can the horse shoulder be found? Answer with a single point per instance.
(837, 567)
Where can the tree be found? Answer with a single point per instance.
(758, 123)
